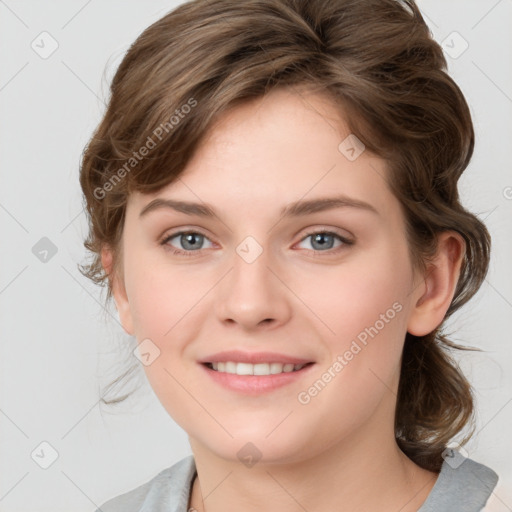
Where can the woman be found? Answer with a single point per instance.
(273, 204)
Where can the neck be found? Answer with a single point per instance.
(366, 472)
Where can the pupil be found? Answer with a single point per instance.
(189, 239)
(320, 238)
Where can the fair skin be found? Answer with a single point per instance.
(338, 451)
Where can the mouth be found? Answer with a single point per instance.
(258, 369)
(255, 378)
(254, 373)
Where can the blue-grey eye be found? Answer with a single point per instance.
(322, 241)
(190, 241)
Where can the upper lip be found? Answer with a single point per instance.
(238, 356)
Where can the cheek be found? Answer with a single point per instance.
(354, 295)
(160, 297)
(168, 308)
(363, 308)
(165, 306)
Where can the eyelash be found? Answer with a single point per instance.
(181, 252)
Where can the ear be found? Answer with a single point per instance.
(434, 296)
(118, 290)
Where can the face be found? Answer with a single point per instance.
(330, 285)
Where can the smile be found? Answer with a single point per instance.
(254, 369)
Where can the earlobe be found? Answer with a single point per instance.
(440, 283)
(118, 291)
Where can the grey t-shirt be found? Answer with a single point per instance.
(462, 486)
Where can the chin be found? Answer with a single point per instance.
(251, 448)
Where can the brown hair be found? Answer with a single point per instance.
(375, 59)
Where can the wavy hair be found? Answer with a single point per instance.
(377, 60)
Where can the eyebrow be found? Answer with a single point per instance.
(296, 209)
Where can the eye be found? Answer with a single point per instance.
(188, 242)
(322, 241)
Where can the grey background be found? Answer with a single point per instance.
(58, 346)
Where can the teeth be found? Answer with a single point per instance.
(255, 369)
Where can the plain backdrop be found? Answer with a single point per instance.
(58, 345)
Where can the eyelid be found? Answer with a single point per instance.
(183, 231)
(345, 241)
(347, 236)
(308, 232)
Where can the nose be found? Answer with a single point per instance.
(253, 295)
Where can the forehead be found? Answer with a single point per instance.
(276, 150)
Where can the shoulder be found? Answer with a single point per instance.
(168, 490)
(463, 485)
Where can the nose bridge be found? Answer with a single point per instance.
(251, 293)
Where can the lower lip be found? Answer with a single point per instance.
(256, 384)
